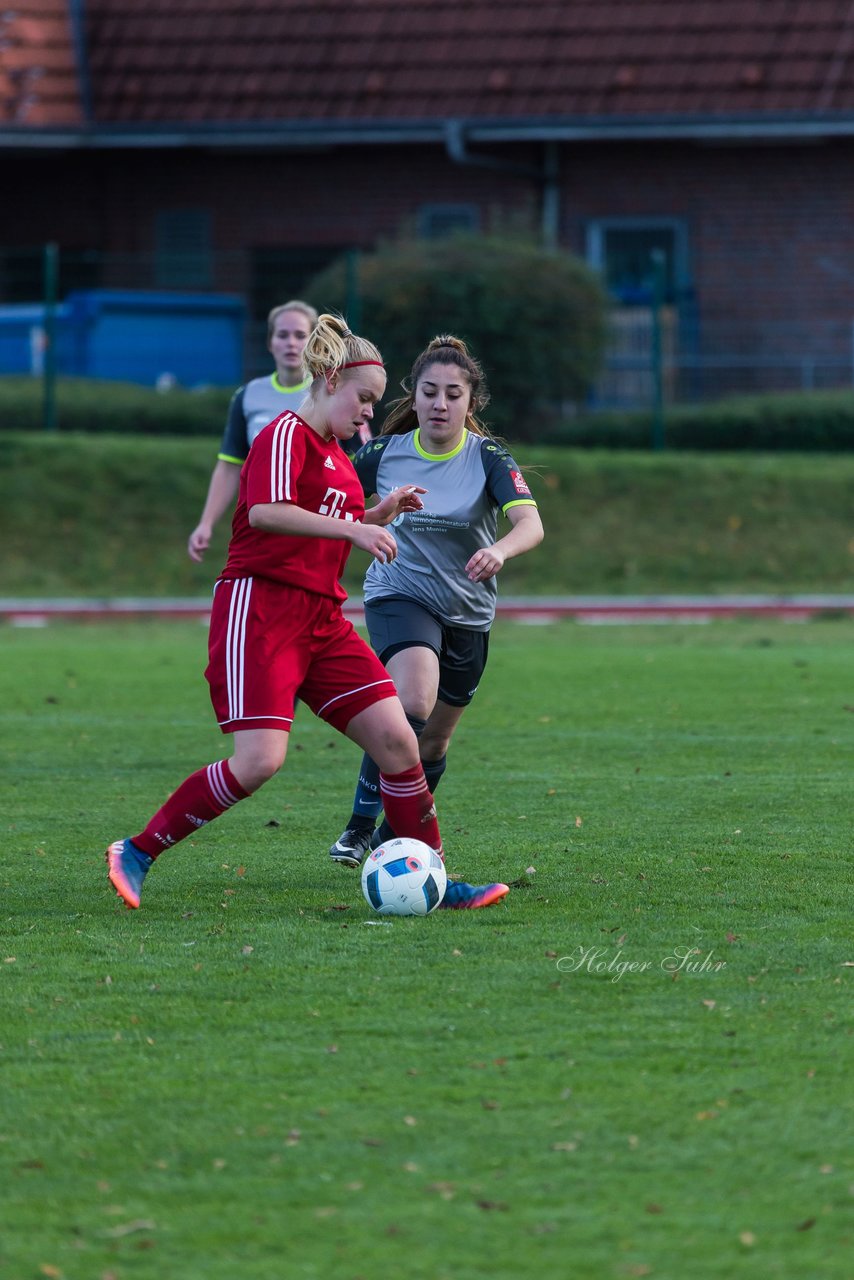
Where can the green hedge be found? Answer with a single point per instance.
(816, 421)
(819, 421)
(536, 319)
(87, 404)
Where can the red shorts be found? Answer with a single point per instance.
(270, 645)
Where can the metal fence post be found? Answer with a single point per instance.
(657, 350)
(51, 289)
(354, 296)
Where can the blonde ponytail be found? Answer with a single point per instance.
(332, 347)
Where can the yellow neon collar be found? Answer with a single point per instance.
(439, 457)
(300, 386)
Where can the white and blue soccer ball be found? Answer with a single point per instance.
(404, 877)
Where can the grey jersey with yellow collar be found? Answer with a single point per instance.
(466, 490)
(252, 407)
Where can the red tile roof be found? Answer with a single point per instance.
(39, 82)
(173, 62)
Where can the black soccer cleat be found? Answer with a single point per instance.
(351, 846)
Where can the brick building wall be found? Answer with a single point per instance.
(767, 232)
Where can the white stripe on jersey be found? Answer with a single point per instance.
(219, 787)
(280, 459)
(350, 693)
(286, 720)
(235, 639)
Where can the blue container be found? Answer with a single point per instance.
(128, 336)
(125, 336)
(22, 338)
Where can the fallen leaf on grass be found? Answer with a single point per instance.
(487, 1205)
(47, 1270)
(805, 1225)
(339, 906)
(128, 1228)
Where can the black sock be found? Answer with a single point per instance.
(433, 770)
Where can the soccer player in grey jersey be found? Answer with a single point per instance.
(429, 611)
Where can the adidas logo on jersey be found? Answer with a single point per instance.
(329, 463)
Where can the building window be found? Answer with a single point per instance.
(438, 220)
(182, 249)
(629, 252)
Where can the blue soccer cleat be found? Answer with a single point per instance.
(460, 896)
(128, 867)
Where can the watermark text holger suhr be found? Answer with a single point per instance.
(599, 960)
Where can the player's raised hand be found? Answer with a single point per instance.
(405, 498)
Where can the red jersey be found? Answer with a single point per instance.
(289, 462)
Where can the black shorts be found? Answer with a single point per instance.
(395, 623)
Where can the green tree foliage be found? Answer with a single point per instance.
(534, 318)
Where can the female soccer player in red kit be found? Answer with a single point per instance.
(277, 632)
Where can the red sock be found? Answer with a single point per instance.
(409, 806)
(200, 798)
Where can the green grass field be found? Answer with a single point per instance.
(639, 1065)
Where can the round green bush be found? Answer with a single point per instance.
(534, 318)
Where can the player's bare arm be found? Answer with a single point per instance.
(288, 518)
(222, 492)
